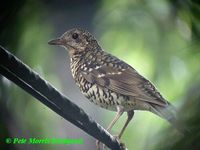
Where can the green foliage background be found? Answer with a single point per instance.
(159, 38)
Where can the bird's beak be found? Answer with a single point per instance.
(57, 41)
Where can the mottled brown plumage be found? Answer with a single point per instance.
(108, 81)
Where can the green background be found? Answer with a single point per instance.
(160, 39)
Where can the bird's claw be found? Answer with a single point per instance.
(97, 145)
(122, 145)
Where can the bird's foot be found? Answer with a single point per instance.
(116, 137)
(122, 145)
(98, 145)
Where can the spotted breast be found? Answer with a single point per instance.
(99, 94)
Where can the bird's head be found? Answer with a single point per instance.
(75, 41)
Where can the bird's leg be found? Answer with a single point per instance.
(130, 116)
(117, 116)
(119, 113)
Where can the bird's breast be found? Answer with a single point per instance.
(97, 94)
(100, 96)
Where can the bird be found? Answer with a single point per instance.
(111, 83)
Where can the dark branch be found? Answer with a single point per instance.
(19, 73)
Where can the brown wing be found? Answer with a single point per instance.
(125, 81)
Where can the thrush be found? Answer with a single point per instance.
(108, 81)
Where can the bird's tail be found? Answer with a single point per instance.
(170, 114)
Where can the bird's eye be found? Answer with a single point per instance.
(74, 35)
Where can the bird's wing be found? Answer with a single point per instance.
(124, 81)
